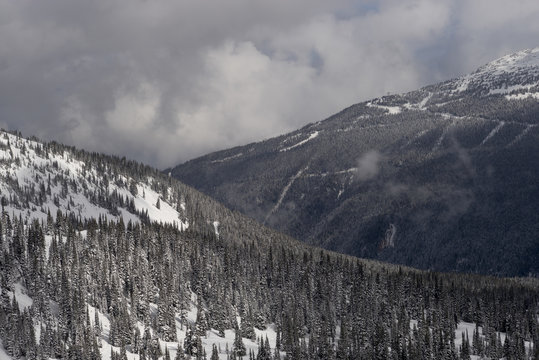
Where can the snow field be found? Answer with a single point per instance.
(23, 160)
(208, 341)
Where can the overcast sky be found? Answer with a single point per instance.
(165, 81)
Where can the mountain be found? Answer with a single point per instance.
(40, 180)
(442, 178)
(104, 258)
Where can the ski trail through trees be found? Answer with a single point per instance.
(284, 192)
(521, 135)
(493, 132)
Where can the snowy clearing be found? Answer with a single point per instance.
(312, 136)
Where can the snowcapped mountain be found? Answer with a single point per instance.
(40, 179)
(444, 177)
(516, 75)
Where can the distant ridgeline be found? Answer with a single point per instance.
(443, 178)
(132, 264)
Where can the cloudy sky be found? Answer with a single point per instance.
(165, 81)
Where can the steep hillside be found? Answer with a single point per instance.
(132, 264)
(38, 180)
(441, 178)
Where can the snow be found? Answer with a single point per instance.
(227, 158)
(3, 353)
(521, 59)
(216, 228)
(510, 89)
(522, 62)
(521, 135)
(522, 96)
(423, 102)
(392, 110)
(285, 191)
(32, 169)
(212, 337)
(493, 132)
(37, 331)
(311, 136)
(340, 172)
(23, 300)
(463, 327)
(463, 84)
(146, 200)
(191, 315)
(440, 140)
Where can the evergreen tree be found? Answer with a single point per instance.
(214, 353)
(238, 346)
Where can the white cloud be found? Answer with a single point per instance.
(139, 110)
(368, 165)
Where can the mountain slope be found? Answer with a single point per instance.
(98, 279)
(40, 179)
(441, 178)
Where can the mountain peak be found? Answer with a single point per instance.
(523, 59)
(518, 71)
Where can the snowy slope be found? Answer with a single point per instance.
(510, 73)
(3, 353)
(36, 180)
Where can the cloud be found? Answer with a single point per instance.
(162, 82)
(368, 165)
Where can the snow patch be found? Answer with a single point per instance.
(522, 96)
(23, 300)
(3, 353)
(444, 133)
(524, 62)
(521, 135)
(510, 89)
(28, 165)
(216, 228)
(147, 199)
(466, 327)
(392, 110)
(227, 158)
(212, 337)
(463, 84)
(284, 192)
(312, 136)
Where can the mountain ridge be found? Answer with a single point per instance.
(439, 162)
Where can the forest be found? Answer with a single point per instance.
(77, 287)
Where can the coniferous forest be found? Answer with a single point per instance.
(324, 305)
(82, 287)
(77, 286)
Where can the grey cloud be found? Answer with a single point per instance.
(162, 82)
(368, 165)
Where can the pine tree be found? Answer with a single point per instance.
(214, 353)
(238, 346)
(180, 354)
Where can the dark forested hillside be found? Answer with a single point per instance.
(442, 178)
(132, 282)
(134, 286)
